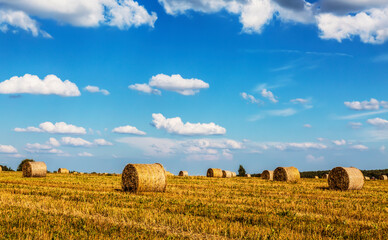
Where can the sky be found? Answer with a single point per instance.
(92, 85)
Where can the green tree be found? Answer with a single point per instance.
(241, 171)
(5, 168)
(24, 161)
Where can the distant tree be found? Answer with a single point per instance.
(21, 164)
(5, 168)
(241, 171)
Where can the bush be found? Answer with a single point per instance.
(241, 171)
(21, 164)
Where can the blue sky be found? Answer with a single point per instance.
(94, 85)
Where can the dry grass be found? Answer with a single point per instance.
(34, 169)
(66, 206)
(343, 178)
(144, 178)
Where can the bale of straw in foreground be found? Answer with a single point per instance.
(34, 169)
(234, 174)
(383, 177)
(248, 175)
(226, 174)
(214, 172)
(346, 178)
(183, 174)
(144, 178)
(1, 168)
(325, 176)
(286, 174)
(267, 175)
(63, 170)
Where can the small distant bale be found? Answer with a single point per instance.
(325, 176)
(286, 174)
(372, 178)
(248, 175)
(316, 177)
(343, 178)
(34, 169)
(267, 175)
(226, 174)
(383, 177)
(144, 178)
(367, 178)
(63, 171)
(234, 174)
(81, 173)
(75, 172)
(183, 174)
(214, 172)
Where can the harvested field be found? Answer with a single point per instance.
(66, 206)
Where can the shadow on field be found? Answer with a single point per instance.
(323, 188)
(118, 190)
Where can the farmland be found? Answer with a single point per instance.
(67, 206)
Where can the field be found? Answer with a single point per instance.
(94, 207)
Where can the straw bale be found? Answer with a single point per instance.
(34, 169)
(287, 174)
(144, 178)
(226, 174)
(183, 174)
(214, 172)
(343, 178)
(267, 175)
(63, 170)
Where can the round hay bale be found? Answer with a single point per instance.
(183, 174)
(316, 177)
(267, 175)
(144, 178)
(325, 176)
(34, 169)
(367, 178)
(248, 175)
(383, 177)
(214, 172)
(226, 174)
(63, 170)
(234, 174)
(286, 174)
(1, 168)
(346, 178)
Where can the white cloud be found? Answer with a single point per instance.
(268, 94)
(364, 114)
(307, 125)
(85, 154)
(382, 149)
(359, 147)
(19, 19)
(299, 100)
(370, 25)
(31, 84)
(38, 146)
(128, 130)
(373, 104)
(53, 142)
(312, 159)
(378, 122)
(94, 89)
(81, 13)
(249, 98)
(102, 142)
(282, 112)
(355, 125)
(339, 142)
(144, 88)
(75, 142)
(49, 127)
(176, 126)
(297, 146)
(7, 149)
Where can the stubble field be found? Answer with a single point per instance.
(94, 207)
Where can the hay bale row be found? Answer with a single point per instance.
(343, 178)
(183, 174)
(34, 169)
(144, 178)
(286, 174)
(63, 171)
(226, 174)
(248, 175)
(267, 175)
(383, 177)
(214, 172)
(234, 174)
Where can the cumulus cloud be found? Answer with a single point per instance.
(378, 122)
(102, 142)
(31, 84)
(7, 149)
(85, 154)
(249, 98)
(144, 87)
(268, 94)
(49, 127)
(94, 89)
(75, 142)
(359, 147)
(299, 100)
(373, 104)
(81, 13)
(53, 142)
(297, 146)
(128, 130)
(175, 83)
(339, 142)
(312, 159)
(307, 125)
(176, 126)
